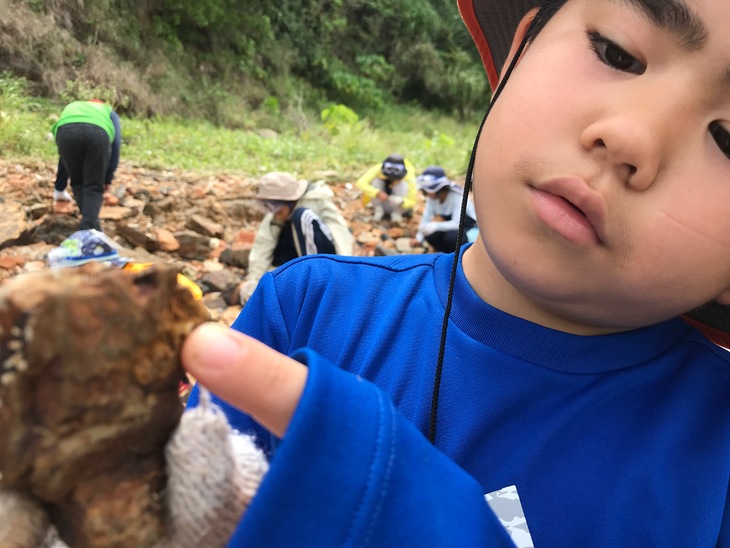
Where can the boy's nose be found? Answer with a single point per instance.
(629, 145)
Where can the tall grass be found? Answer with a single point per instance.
(24, 121)
(307, 150)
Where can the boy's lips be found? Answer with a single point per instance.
(571, 208)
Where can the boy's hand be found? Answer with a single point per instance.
(245, 373)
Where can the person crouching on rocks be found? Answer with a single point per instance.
(439, 224)
(301, 219)
(88, 136)
(391, 187)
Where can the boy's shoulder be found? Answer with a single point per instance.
(397, 276)
(331, 264)
(344, 284)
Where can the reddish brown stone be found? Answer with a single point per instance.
(244, 237)
(395, 232)
(10, 262)
(110, 199)
(64, 207)
(205, 226)
(89, 370)
(167, 240)
(218, 250)
(138, 236)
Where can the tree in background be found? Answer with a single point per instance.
(364, 54)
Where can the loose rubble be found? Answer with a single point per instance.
(202, 224)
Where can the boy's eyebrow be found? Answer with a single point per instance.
(676, 17)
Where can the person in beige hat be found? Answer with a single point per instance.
(301, 219)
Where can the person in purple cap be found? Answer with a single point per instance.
(439, 225)
(546, 376)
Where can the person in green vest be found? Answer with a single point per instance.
(88, 136)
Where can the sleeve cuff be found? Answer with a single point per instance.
(351, 470)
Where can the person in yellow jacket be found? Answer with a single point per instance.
(391, 187)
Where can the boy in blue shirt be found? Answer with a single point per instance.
(564, 382)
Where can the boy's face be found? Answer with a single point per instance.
(602, 180)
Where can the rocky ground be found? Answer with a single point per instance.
(204, 224)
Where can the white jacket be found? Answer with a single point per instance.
(450, 208)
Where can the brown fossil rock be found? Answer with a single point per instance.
(89, 368)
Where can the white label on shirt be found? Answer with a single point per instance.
(505, 503)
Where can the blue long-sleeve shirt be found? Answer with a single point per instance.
(339, 480)
(611, 440)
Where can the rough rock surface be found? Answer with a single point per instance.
(89, 370)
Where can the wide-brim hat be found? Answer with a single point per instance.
(279, 185)
(492, 24)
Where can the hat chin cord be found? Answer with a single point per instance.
(459, 240)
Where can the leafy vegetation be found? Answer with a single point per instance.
(297, 85)
(23, 120)
(339, 141)
(213, 59)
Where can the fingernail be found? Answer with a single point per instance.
(213, 348)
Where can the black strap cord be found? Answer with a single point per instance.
(468, 183)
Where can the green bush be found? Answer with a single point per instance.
(271, 106)
(376, 68)
(357, 91)
(337, 117)
(25, 121)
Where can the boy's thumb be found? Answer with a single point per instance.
(246, 374)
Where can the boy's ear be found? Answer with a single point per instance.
(517, 38)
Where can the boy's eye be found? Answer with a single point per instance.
(721, 137)
(613, 55)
